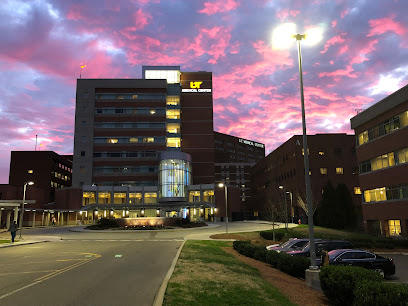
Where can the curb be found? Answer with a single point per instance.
(26, 243)
(158, 299)
(391, 253)
(143, 231)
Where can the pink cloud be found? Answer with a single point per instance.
(338, 39)
(211, 8)
(383, 25)
(285, 13)
(363, 52)
(334, 23)
(141, 19)
(348, 72)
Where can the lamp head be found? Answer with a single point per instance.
(221, 185)
(30, 183)
(281, 187)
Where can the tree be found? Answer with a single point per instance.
(336, 210)
(274, 207)
(303, 204)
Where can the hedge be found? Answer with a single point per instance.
(380, 293)
(292, 265)
(268, 235)
(339, 282)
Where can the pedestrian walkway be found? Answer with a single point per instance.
(25, 239)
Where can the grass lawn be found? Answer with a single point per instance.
(206, 275)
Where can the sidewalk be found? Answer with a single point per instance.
(25, 239)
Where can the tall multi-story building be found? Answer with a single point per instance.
(47, 169)
(234, 158)
(331, 157)
(146, 146)
(382, 152)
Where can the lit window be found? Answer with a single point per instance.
(357, 190)
(152, 111)
(112, 140)
(173, 100)
(148, 139)
(173, 114)
(174, 142)
(120, 97)
(339, 171)
(323, 170)
(363, 137)
(30, 171)
(310, 172)
(321, 153)
(134, 97)
(303, 152)
(173, 128)
(394, 227)
(133, 140)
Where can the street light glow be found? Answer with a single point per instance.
(313, 36)
(282, 36)
(220, 185)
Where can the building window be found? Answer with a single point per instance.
(119, 197)
(173, 100)
(357, 190)
(310, 172)
(339, 171)
(173, 128)
(174, 142)
(133, 140)
(323, 170)
(395, 227)
(303, 152)
(30, 171)
(84, 109)
(173, 114)
(135, 198)
(321, 153)
(148, 139)
(88, 197)
(82, 153)
(104, 197)
(82, 169)
(112, 140)
(83, 123)
(150, 198)
(83, 138)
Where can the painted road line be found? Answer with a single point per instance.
(13, 273)
(118, 255)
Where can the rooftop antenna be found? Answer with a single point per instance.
(35, 149)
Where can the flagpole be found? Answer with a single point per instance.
(35, 149)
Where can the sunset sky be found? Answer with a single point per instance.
(362, 58)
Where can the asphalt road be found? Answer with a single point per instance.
(401, 268)
(94, 267)
(85, 272)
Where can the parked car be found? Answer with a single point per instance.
(291, 245)
(360, 258)
(320, 245)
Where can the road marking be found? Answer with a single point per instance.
(118, 255)
(53, 273)
(12, 273)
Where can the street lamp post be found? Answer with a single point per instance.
(22, 205)
(291, 204)
(286, 209)
(226, 205)
(313, 266)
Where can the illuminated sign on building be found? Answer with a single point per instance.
(196, 87)
(251, 143)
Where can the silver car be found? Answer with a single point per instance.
(291, 245)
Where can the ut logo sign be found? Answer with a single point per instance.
(195, 84)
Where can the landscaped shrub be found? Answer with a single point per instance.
(380, 293)
(272, 258)
(268, 235)
(260, 254)
(293, 265)
(104, 223)
(338, 282)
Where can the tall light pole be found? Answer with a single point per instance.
(313, 266)
(22, 205)
(291, 204)
(226, 205)
(283, 36)
(286, 208)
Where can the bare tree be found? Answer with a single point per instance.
(274, 207)
(303, 204)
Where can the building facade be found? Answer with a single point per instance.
(146, 146)
(234, 157)
(382, 152)
(281, 174)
